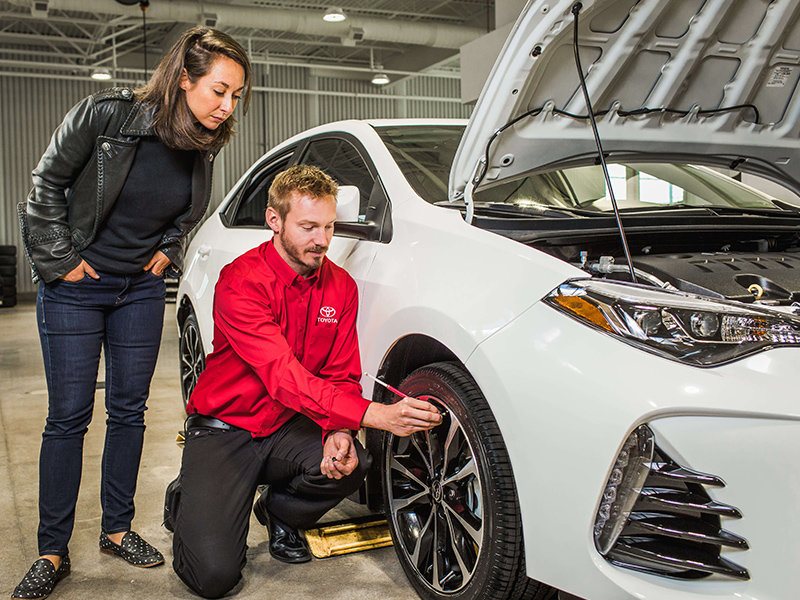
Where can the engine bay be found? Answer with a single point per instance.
(735, 266)
(765, 278)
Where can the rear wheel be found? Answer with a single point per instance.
(450, 497)
(192, 355)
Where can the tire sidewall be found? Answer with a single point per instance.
(190, 322)
(430, 381)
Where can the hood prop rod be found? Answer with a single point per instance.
(576, 8)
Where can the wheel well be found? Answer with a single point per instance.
(408, 354)
(184, 309)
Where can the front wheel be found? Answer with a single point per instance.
(451, 502)
(192, 355)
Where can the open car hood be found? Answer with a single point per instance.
(688, 57)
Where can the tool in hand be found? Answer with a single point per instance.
(394, 390)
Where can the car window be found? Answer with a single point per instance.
(341, 160)
(424, 154)
(249, 210)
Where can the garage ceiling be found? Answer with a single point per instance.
(70, 38)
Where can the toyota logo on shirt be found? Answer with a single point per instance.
(327, 315)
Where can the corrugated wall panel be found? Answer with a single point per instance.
(351, 104)
(435, 88)
(31, 108)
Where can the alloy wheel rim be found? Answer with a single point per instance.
(191, 359)
(436, 498)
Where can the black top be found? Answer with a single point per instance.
(157, 191)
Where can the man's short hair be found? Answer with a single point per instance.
(299, 178)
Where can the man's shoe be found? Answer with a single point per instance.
(41, 578)
(285, 543)
(171, 499)
(133, 549)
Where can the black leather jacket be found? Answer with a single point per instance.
(80, 176)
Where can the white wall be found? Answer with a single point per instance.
(481, 54)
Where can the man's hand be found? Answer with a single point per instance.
(339, 457)
(402, 418)
(80, 272)
(158, 263)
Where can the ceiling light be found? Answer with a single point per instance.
(380, 79)
(101, 74)
(334, 15)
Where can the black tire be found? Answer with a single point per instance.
(8, 289)
(452, 489)
(172, 289)
(8, 301)
(8, 270)
(8, 250)
(8, 259)
(191, 355)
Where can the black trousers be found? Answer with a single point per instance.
(220, 472)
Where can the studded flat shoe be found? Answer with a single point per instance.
(41, 578)
(133, 549)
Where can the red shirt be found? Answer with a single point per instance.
(283, 344)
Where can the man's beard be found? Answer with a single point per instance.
(301, 256)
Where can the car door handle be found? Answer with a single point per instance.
(203, 251)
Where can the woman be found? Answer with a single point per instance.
(125, 178)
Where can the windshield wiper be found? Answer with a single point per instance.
(715, 210)
(766, 212)
(513, 210)
(537, 210)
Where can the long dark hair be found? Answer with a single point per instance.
(195, 51)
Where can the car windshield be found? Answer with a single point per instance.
(424, 154)
(636, 186)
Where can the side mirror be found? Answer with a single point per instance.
(348, 202)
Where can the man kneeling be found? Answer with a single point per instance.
(280, 397)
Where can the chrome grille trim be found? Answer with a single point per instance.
(675, 562)
(685, 503)
(675, 528)
(685, 529)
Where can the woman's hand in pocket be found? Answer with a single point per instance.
(80, 272)
(158, 263)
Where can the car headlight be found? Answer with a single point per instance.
(691, 329)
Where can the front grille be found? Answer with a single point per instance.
(675, 528)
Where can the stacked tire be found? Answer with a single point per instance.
(8, 276)
(172, 289)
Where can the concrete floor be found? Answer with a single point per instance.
(375, 574)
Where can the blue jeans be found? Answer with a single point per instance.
(124, 315)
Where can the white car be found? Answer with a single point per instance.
(609, 438)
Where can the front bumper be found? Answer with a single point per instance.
(566, 397)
